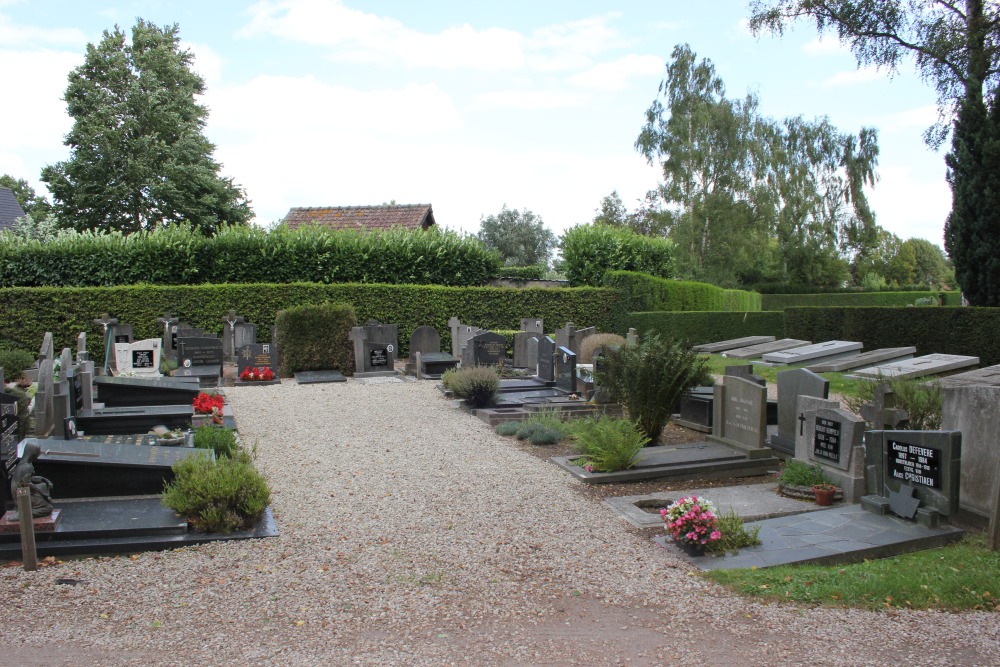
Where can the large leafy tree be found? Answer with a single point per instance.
(519, 236)
(139, 159)
(649, 218)
(956, 47)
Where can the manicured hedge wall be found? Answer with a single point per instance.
(29, 312)
(316, 337)
(178, 256)
(643, 292)
(534, 272)
(708, 327)
(968, 331)
(856, 299)
(589, 251)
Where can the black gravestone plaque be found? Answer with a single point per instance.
(255, 355)
(123, 338)
(142, 358)
(914, 464)
(198, 351)
(826, 444)
(378, 356)
(76, 391)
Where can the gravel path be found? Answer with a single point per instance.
(412, 535)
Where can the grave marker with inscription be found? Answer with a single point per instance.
(740, 416)
(375, 348)
(791, 385)
(833, 439)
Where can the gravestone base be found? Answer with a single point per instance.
(253, 383)
(875, 504)
(207, 376)
(43, 524)
(317, 377)
(376, 374)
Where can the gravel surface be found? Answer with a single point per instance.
(413, 535)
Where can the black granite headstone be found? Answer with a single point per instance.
(566, 370)
(546, 359)
(257, 355)
(198, 351)
(487, 349)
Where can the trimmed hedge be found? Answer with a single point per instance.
(643, 292)
(316, 337)
(695, 328)
(245, 254)
(785, 288)
(30, 312)
(535, 272)
(856, 299)
(591, 250)
(968, 331)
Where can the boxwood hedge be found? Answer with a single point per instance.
(643, 292)
(708, 327)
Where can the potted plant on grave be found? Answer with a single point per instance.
(207, 409)
(824, 493)
(692, 523)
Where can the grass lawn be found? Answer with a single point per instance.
(962, 576)
(838, 383)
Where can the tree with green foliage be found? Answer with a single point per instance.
(956, 47)
(649, 217)
(25, 195)
(139, 159)
(520, 237)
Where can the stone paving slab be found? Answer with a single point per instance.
(750, 501)
(844, 534)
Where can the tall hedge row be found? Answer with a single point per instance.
(695, 328)
(589, 251)
(643, 292)
(179, 256)
(856, 299)
(316, 337)
(967, 331)
(29, 312)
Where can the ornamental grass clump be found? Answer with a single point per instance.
(647, 379)
(218, 496)
(477, 385)
(692, 520)
(220, 439)
(733, 535)
(608, 445)
(508, 428)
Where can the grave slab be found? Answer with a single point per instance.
(881, 356)
(755, 351)
(983, 377)
(432, 365)
(315, 377)
(133, 419)
(829, 350)
(929, 364)
(731, 344)
(118, 392)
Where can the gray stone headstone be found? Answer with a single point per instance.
(834, 440)
(168, 346)
(564, 336)
(230, 319)
(983, 377)
(198, 351)
(740, 415)
(566, 370)
(532, 325)
(244, 333)
(973, 411)
(791, 385)
(576, 340)
(546, 359)
(531, 353)
(46, 351)
(425, 339)
(460, 335)
(632, 338)
(376, 346)
(81, 348)
(872, 358)
(732, 344)
(755, 351)
(882, 412)
(828, 350)
(523, 358)
(44, 400)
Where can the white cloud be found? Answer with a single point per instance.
(919, 117)
(207, 62)
(357, 36)
(12, 34)
(528, 99)
(825, 46)
(911, 203)
(34, 115)
(617, 75)
(850, 78)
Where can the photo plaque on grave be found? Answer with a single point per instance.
(826, 443)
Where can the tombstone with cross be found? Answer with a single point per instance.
(169, 346)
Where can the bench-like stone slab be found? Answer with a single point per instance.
(883, 355)
(754, 351)
(929, 364)
(831, 349)
(732, 344)
(983, 377)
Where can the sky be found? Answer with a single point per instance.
(465, 106)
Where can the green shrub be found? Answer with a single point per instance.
(507, 428)
(857, 299)
(316, 337)
(921, 400)
(643, 292)
(535, 272)
(220, 439)
(591, 250)
(797, 473)
(608, 445)
(526, 429)
(735, 536)
(708, 327)
(546, 436)
(477, 385)
(218, 496)
(648, 378)
(14, 362)
(246, 254)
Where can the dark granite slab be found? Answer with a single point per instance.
(116, 392)
(316, 377)
(137, 419)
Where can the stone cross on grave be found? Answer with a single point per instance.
(166, 321)
(229, 341)
(105, 321)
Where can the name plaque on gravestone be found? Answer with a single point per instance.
(197, 351)
(142, 358)
(378, 357)
(256, 355)
(123, 338)
(826, 443)
(914, 464)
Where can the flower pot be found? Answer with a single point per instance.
(200, 420)
(824, 494)
(693, 549)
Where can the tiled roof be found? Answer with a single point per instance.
(413, 216)
(10, 210)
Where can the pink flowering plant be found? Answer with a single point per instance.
(692, 520)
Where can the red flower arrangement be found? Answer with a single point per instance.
(206, 404)
(262, 374)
